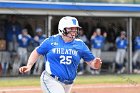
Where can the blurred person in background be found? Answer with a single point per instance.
(0, 64)
(38, 39)
(121, 45)
(5, 61)
(136, 55)
(13, 29)
(24, 40)
(97, 43)
(83, 37)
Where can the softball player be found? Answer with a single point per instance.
(121, 44)
(39, 37)
(97, 42)
(136, 54)
(23, 42)
(62, 53)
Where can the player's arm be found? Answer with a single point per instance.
(90, 59)
(95, 64)
(32, 59)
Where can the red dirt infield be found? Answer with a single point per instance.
(83, 88)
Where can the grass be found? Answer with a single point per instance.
(109, 79)
(19, 81)
(101, 79)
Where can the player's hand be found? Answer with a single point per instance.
(97, 63)
(24, 69)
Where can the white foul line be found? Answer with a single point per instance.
(74, 87)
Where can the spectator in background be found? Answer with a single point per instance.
(24, 40)
(28, 26)
(111, 32)
(121, 45)
(136, 54)
(5, 61)
(83, 37)
(38, 39)
(97, 42)
(13, 29)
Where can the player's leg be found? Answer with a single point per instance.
(10, 46)
(117, 56)
(135, 57)
(0, 63)
(118, 63)
(35, 68)
(98, 54)
(7, 61)
(136, 54)
(15, 66)
(81, 67)
(40, 66)
(18, 62)
(50, 85)
(25, 57)
(67, 88)
(122, 57)
(94, 52)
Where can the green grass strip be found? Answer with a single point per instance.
(108, 79)
(20, 81)
(98, 79)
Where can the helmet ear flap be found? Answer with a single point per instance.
(64, 31)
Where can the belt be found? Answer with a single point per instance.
(67, 82)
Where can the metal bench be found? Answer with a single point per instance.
(108, 58)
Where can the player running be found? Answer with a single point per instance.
(62, 53)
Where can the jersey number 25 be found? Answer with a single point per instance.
(65, 59)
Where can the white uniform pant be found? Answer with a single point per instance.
(22, 59)
(51, 85)
(136, 55)
(23, 55)
(96, 52)
(38, 66)
(5, 61)
(12, 45)
(120, 55)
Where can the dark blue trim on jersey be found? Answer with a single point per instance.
(72, 6)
